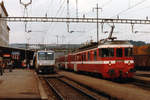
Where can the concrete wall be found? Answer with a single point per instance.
(4, 31)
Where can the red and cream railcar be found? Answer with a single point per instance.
(112, 59)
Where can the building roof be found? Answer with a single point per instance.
(3, 7)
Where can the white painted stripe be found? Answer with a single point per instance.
(92, 62)
(115, 46)
(97, 62)
(128, 61)
(85, 51)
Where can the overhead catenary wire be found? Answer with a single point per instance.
(58, 11)
(133, 6)
(106, 3)
(61, 6)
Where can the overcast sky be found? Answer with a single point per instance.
(47, 32)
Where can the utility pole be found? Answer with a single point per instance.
(97, 10)
(26, 15)
(77, 8)
(63, 37)
(57, 39)
(68, 15)
(25, 11)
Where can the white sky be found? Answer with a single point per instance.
(46, 32)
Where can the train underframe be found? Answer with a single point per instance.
(45, 69)
(106, 71)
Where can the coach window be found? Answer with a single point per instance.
(78, 58)
(95, 55)
(88, 55)
(128, 52)
(100, 52)
(119, 52)
(84, 56)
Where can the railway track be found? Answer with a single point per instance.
(137, 82)
(143, 75)
(67, 89)
(145, 84)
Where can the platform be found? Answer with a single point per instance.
(19, 85)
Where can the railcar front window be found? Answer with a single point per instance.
(95, 55)
(119, 52)
(49, 56)
(111, 52)
(46, 56)
(128, 52)
(41, 56)
(107, 52)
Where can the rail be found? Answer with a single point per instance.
(58, 92)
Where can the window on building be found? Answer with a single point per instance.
(119, 52)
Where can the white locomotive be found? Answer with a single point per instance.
(44, 61)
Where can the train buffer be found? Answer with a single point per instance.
(20, 85)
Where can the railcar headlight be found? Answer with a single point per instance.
(131, 61)
(126, 61)
(40, 64)
(109, 63)
(113, 62)
(106, 62)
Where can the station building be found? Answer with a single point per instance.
(4, 28)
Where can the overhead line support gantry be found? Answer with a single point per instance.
(75, 20)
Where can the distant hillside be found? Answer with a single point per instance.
(48, 46)
(137, 43)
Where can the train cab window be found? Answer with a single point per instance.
(107, 52)
(50, 56)
(95, 55)
(111, 52)
(128, 52)
(46, 56)
(119, 52)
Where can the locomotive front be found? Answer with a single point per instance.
(45, 61)
(117, 59)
